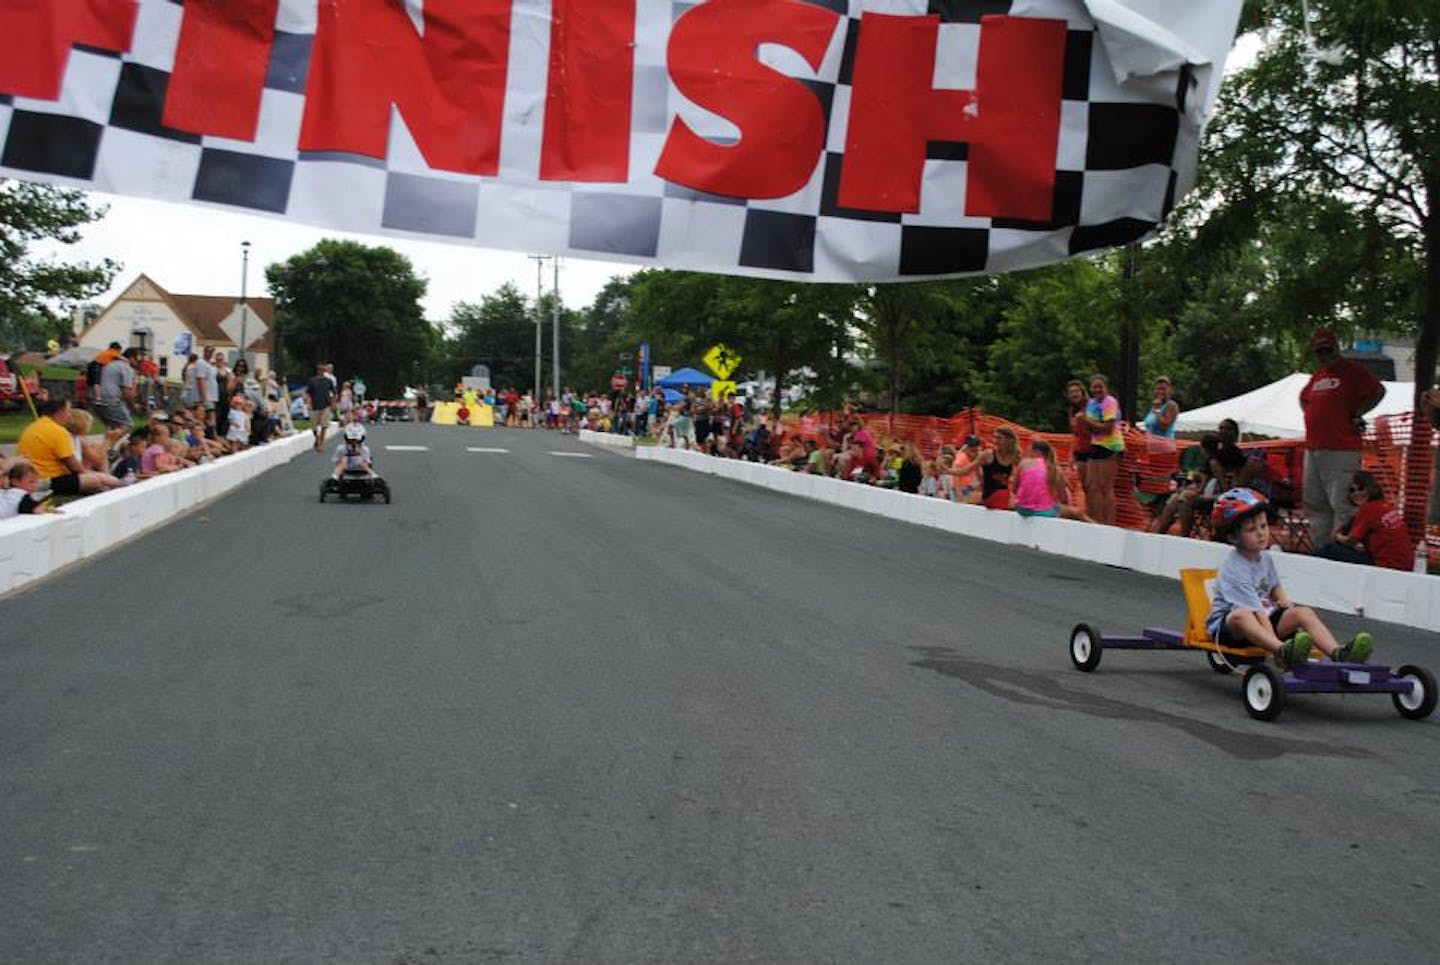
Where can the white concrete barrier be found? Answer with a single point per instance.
(33, 547)
(1409, 599)
(607, 439)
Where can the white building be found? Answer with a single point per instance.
(172, 327)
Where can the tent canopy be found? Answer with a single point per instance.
(75, 358)
(683, 377)
(1274, 409)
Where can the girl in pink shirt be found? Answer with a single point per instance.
(1039, 486)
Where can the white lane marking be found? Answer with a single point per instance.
(484, 449)
(572, 455)
(408, 448)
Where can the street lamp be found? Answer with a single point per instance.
(555, 329)
(539, 319)
(244, 309)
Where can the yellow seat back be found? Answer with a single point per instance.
(1197, 585)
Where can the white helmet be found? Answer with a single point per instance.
(354, 432)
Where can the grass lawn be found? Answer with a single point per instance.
(12, 423)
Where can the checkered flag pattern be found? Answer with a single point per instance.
(1126, 153)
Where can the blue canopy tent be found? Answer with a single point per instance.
(681, 378)
(671, 396)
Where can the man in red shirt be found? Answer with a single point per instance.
(1338, 394)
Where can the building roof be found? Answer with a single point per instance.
(202, 314)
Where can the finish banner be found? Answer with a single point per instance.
(824, 140)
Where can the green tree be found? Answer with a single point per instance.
(1060, 323)
(498, 332)
(35, 292)
(1344, 107)
(787, 328)
(357, 307)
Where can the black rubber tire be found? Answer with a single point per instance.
(1217, 662)
(1416, 706)
(1086, 646)
(1263, 691)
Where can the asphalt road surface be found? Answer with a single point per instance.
(555, 704)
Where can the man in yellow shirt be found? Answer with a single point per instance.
(51, 450)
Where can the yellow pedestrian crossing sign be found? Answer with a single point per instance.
(721, 388)
(722, 360)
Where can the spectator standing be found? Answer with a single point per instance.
(682, 426)
(1160, 420)
(1335, 400)
(1107, 445)
(117, 395)
(1079, 431)
(222, 388)
(207, 388)
(422, 405)
(148, 384)
(700, 406)
(189, 382)
(319, 395)
(346, 402)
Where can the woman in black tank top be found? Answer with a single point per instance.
(995, 468)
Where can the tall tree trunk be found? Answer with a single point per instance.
(1421, 460)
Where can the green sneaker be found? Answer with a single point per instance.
(1358, 650)
(1295, 651)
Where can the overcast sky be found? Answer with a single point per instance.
(193, 250)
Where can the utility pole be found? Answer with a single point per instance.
(555, 329)
(539, 319)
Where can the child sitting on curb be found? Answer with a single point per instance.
(1250, 607)
(17, 496)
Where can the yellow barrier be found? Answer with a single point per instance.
(444, 414)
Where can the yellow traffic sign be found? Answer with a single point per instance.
(722, 360)
(721, 388)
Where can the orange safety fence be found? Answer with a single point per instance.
(1399, 449)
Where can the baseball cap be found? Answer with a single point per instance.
(971, 441)
(1323, 339)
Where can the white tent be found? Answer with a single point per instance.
(1274, 409)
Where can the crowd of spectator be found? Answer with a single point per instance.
(1344, 511)
(219, 410)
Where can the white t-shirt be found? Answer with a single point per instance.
(239, 426)
(10, 500)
